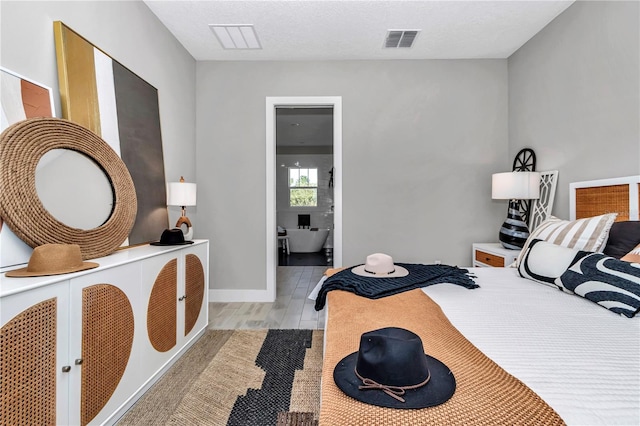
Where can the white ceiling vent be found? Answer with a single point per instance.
(236, 36)
(400, 38)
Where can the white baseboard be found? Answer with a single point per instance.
(228, 296)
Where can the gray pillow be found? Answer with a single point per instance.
(623, 237)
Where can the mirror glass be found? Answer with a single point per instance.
(74, 189)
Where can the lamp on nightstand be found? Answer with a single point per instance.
(182, 194)
(514, 186)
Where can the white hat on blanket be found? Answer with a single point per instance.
(380, 265)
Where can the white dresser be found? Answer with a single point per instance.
(81, 348)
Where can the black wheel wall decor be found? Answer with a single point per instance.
(525, 161)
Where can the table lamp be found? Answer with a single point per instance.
(514, 186)
(182, 194)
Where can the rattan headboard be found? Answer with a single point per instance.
(596, 197)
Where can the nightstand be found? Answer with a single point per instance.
(493, 255)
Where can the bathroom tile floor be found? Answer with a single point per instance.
(291, 309)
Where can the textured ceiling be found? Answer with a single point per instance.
(343, 30)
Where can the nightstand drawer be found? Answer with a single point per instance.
(489, 259)
(492, 255)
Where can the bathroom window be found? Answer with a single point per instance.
(303, 187)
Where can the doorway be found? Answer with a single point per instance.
(293, 107)
(304, 185)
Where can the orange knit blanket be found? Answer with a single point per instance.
(485, 393)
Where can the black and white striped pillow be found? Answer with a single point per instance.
(609, 282)
(588, 234)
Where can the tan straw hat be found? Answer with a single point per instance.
(53, 259)
(380, 265)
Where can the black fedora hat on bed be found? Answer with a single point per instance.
(391, 370)
(171, 237)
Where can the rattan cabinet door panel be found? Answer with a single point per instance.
(195, 289)
(162, 308)
(160, 276)
(106, 313)
(107, 339)
(33, 350)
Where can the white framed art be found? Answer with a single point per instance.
(20, 98)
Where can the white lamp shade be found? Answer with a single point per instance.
(515, 186)
(181, 194)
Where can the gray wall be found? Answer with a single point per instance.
(130, 34)
(420, 142)
(574, 95)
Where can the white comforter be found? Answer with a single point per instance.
(581, 359)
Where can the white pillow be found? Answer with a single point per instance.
(588, 234)
(545, 262)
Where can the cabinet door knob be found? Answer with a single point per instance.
(79, 361)
(66, 368)
(182, 298)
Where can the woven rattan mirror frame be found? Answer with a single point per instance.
(21, 147)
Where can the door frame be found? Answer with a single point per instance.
(272, 242)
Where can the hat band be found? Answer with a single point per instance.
(379, 273)
(393, 391)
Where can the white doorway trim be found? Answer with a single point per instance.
(272, 241)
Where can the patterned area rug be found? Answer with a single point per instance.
(239, 378)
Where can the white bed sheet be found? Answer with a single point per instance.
(583, 360)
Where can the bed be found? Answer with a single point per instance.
(581, 360)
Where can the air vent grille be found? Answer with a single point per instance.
(400, 38)
(236, 36)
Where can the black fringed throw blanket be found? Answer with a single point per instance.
(376, 288)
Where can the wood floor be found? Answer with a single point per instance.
(291, 309)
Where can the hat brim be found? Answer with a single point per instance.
(438, 390)
(24, 273)
(398, 272)
(158, 243)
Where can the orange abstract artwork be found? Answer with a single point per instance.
(35, 100)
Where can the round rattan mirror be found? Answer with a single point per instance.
(22, 145)
(62, 174)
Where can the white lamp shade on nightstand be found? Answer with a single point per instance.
(515, 186)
